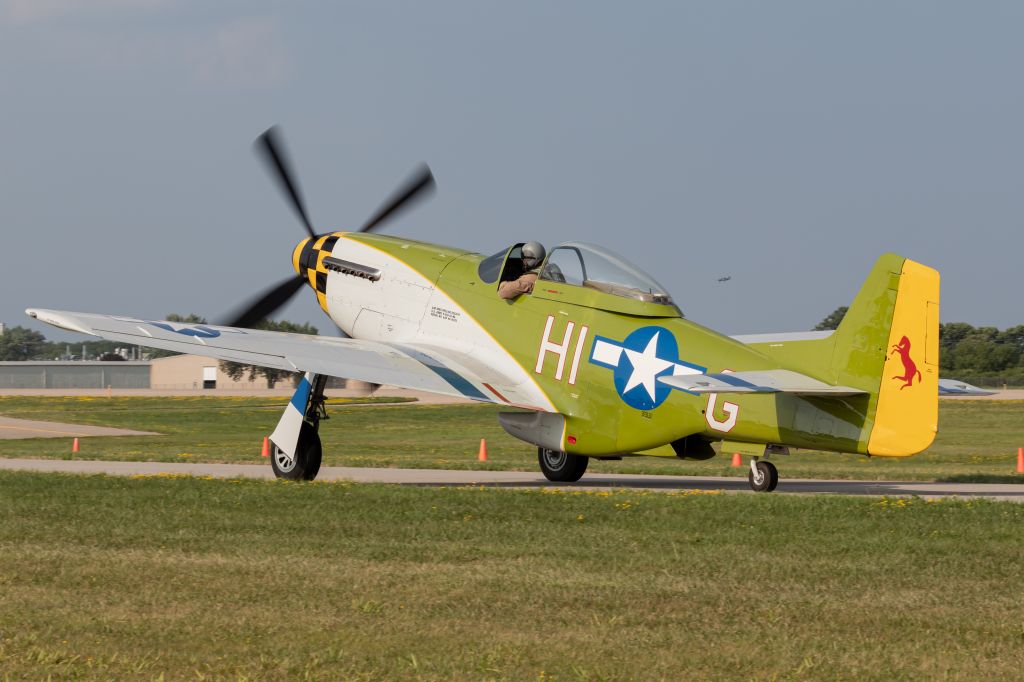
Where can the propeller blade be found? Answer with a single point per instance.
(268, 302)
(272, 149)
(419, 184)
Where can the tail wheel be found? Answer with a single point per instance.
(561, 467)
(306, 463)
(763, 476)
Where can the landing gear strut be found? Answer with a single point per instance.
(763, 475)
(296, 451)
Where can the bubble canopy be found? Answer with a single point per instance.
(592, 266)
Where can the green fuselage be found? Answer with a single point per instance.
(602, 419)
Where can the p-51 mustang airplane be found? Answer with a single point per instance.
(597, 360)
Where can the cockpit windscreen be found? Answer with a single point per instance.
(591, 266)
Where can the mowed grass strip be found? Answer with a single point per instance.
(978, 440)
(189, 578)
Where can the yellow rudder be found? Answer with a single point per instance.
(906, 418)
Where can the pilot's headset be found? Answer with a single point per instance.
(533, 255)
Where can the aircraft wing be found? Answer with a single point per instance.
(761, 381)
(412, 366)
(957, 387)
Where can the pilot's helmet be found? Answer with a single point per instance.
(533, 255)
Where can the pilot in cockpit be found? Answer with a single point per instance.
(521, 282)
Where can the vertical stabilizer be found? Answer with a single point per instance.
(888, 345)
(907, 412)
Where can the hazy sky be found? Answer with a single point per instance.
(786, 144)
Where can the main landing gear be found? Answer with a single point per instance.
(305, 465)
(296, 451)
(561, 467)
(763, 476)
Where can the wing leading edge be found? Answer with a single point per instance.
(411, 366)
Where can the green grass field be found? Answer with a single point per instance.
(159, 578)
(978, 439)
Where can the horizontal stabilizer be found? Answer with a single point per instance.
(763, 381)
(957, 387)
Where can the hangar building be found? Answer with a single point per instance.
(177, 372)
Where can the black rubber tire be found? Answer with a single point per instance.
(307, 458)
(561, 467)
(774, 477)
(767, 480)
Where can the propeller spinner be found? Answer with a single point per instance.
(271, 149)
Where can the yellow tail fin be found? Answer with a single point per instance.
(906, 417)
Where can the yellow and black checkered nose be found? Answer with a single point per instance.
(308, 261)
(300, 253)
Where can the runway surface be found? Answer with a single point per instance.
(524, 479)
(26, 428)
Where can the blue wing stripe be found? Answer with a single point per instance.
(457, 381)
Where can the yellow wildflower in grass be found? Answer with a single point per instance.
(695, 491)
(896, 502)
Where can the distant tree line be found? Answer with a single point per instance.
(21, 343)
(981, 355)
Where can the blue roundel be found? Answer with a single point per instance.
(647, 353)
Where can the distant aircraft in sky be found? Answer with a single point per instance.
(725, 279)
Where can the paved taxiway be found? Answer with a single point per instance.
(27, 428)
(11, 428)
(523, 479)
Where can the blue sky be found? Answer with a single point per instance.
(786, 144)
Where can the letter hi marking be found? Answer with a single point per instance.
(561, 349)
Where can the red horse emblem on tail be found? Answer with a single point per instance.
(909, 366)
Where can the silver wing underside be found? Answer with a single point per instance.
(414, 366)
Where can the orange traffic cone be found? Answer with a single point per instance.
(74, 446)
(482, 457)
(737, 461)
(266, 447)
(1020, 460)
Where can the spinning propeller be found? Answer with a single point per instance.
(270, 147)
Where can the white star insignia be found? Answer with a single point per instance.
(646, 367)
